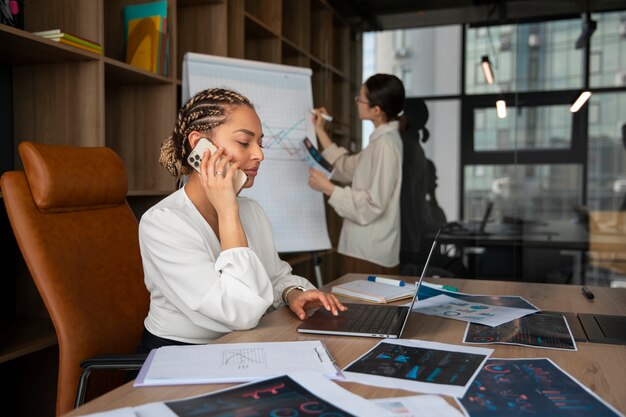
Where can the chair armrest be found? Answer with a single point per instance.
(127, 362)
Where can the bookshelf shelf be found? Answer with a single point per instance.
(24, 336)
(18, 47)
(121, 73)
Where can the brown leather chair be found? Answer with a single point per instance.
(78, 236)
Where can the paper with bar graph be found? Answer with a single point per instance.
(283, 98)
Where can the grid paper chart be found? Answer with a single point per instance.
(283, 98)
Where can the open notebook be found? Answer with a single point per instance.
(368, 320)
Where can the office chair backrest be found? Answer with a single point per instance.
(78, 236)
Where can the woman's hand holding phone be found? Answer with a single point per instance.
(216, 176)
(196, 157)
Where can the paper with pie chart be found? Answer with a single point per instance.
(453, 308)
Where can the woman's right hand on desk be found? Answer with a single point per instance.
(299, 301)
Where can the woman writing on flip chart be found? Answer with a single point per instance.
(370, 204)
(209, 258)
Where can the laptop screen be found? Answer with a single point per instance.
(417, 285)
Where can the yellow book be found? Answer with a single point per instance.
(142, 49)
(77, 45)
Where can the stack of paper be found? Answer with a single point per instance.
(234, 362)
(373, 291)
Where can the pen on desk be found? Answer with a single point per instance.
(444, 287)
(389, 281)
(587, 293)
(324, 116)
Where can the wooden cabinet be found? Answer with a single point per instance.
(57, 94)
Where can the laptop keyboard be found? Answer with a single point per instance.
(369, 318)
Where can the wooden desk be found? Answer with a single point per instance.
(600, 367)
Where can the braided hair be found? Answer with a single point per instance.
(204, 111)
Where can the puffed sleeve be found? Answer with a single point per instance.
(344, 164)
(229, 288)
(278, 270)
(369, 201)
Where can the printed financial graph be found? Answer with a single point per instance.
(285, 142)
(243, 358)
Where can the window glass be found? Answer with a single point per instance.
(529, 192)
(608, 49)
(428, 59)
(525, 128)
(527, 57)
(606, 171)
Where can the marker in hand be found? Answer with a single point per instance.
(324, 116)
(389, 281)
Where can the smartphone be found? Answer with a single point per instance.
(195, 158)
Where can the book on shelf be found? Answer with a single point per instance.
(56, 34)
(373, 291)
(145, 36)
(78, 45)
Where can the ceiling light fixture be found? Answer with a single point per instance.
(487, 69)
(580, 101)
(589, 26)
(501, 108)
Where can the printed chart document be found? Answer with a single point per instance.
(418, 406)
(315, 158)
(428, 290)
(373, 291)
(454, 308)
(540, 330)
(234, 362)
(294, 394)
(415, 365)
(302, 393)
(531, 387)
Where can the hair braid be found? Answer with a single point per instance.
(204, 111)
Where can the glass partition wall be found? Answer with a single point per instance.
(548, 183)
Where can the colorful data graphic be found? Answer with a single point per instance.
(426, 291)
(284, 142)
(418, 364)
(542, 330)
(530, 387)
(276, 397)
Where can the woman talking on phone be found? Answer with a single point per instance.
(209, 258)
(370, 203)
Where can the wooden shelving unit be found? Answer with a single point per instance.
(64, 95)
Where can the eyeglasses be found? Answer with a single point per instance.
(358, 99)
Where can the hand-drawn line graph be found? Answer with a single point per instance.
(243, 358)
(285, 143)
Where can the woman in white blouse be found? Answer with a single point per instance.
(209, 258)
(370, 203)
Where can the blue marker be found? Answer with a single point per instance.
(389, 281)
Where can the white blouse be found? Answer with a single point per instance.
(199, 292)
(370, 205)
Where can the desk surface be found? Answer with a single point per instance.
(601, 367)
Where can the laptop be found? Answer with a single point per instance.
(367, 320)
(458, 229)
